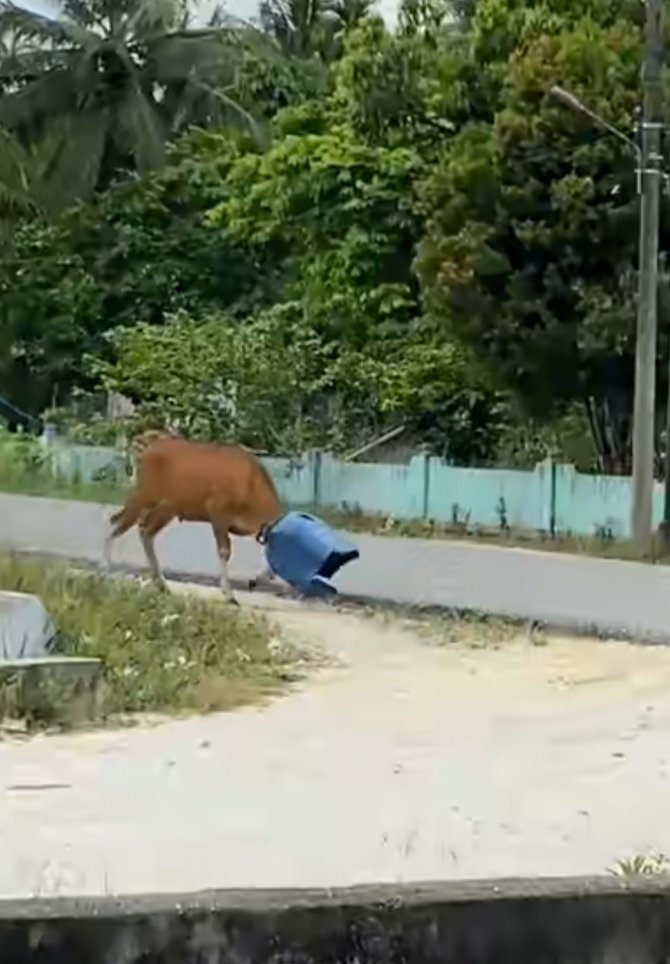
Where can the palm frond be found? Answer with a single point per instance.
(139, 130)
(70, 157)
(134, 63)
(28, 24)
(174, 58)
(52, 93)
(18, 67)
(19, 190)
(295, 24)
(151, 17)
(210, 106)
(81, 12)
(349, 12)
(41, 30)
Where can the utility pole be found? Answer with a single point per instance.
(650, 176)
(664, 527)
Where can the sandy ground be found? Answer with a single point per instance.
(400, 760)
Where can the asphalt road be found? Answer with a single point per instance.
(596, 596)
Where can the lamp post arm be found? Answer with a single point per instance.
(569, 100)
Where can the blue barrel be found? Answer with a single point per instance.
(306, 553)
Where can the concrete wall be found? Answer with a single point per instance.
(501, 922)
(549, 498)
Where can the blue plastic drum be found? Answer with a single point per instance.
(306, 553)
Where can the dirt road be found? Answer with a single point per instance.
(401, 759)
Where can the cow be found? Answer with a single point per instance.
(175, 478)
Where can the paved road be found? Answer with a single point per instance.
(597, 596)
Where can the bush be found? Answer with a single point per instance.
(21, 457)
(29, 468)
(161, 652)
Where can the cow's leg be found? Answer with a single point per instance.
(264, 575)
(120, 522)
(223, 544)
(151, 524)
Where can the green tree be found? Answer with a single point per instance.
(212, 379)
(278, 285)
(529, 253)
(141, 252)
(49, 311)
(337, 215)
(105, 85)
(312, 28)
(275, 384)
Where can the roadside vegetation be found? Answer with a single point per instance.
(641, 866)
(400, 221)
(468, 630)
(162, 653)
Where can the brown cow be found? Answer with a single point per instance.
(174, 478)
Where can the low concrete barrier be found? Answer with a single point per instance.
(594, 921)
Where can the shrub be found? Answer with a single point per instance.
(161, 652)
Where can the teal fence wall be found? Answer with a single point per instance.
(85, 463)
(551, 498)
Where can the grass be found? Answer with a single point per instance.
(604, 546)
(105, 492)
(641, 865)
(161, 653)
(470, 630)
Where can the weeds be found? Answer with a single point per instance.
(602, 544)
(471, 630)
(161, 653)
(641, 865)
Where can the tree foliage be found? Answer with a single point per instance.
(530, 246)
(423, 237)
(106, 84)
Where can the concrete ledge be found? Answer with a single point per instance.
(594, 921)
(61, 690)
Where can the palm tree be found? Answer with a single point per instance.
(296, 25)
(342, 16)
(349, 13)
(104, 86)
(304, 28)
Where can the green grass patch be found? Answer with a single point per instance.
(601, 546)
(107, 493)
(161, 652)
(439, 628)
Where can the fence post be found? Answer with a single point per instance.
(552, 497)
(547, 476)
(425, 502)
(316, 477)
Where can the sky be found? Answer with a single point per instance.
(246, 9)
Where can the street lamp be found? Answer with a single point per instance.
(649, 176)
(575, 104)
